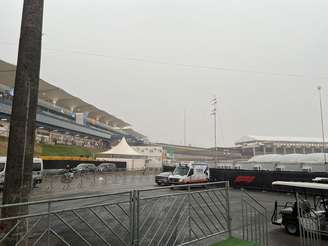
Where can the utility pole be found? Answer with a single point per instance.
(213, 112)
(184, 128)
(18, 176)
(322, 125)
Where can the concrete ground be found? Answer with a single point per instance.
(53, 188)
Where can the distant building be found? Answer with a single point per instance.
(262, 145)
(154, 155)
(189, 153)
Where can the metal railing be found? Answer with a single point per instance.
(158, 216)
(254, 220)
(57, 183)
(86, 220)
(184, 217)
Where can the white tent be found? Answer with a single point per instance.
(123, 148)
(124, 153)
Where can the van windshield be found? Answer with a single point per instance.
(2, 166)
(36, 167)
(181, 170)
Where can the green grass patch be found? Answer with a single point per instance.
(234, 242)
(4, 147)
(54, 150)
(67, 150)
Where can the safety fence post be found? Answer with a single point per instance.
(131, 217)
(137, 212)
(189, 215)
(228, 208)
(48, 223)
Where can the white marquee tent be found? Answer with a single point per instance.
(123, 148)
(123, 152)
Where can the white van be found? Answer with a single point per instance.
(190, 173)
(37, 170)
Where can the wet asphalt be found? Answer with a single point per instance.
(53, 188)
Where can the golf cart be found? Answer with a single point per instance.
(310, 209)
(320, 180)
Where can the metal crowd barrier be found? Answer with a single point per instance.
(189, 215)
(308, 222)
(86, 220)
(179, 215)
(254, 220)
(90, 181)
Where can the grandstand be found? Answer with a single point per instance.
(65, 119)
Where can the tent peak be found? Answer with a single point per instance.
(123, 148)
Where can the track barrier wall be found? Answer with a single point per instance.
(258, 179)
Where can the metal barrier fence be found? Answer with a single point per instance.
(254, 220)
(143, 217)
(87, 220)
(184, 217)
(309, 223)
(89, 181)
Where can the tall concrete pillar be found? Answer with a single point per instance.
(264, 150)
(285, 151)
(254, 151)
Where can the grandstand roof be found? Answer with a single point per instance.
(134, 133)
(252, 138)
(60, 97)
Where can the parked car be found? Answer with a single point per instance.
(106, 167)
(85, 168)
(163, 178)
(37, 171)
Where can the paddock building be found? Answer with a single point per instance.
(263, 145)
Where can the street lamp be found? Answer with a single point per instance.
(213, 112)
(322, 125)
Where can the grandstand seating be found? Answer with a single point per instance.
(56, 118)
(65, 118)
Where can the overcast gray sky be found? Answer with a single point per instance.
(147, 60)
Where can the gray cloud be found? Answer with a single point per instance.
(148, 60)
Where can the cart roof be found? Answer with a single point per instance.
(318, 179)
(306, 185)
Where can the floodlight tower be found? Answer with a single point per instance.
(184, 128)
